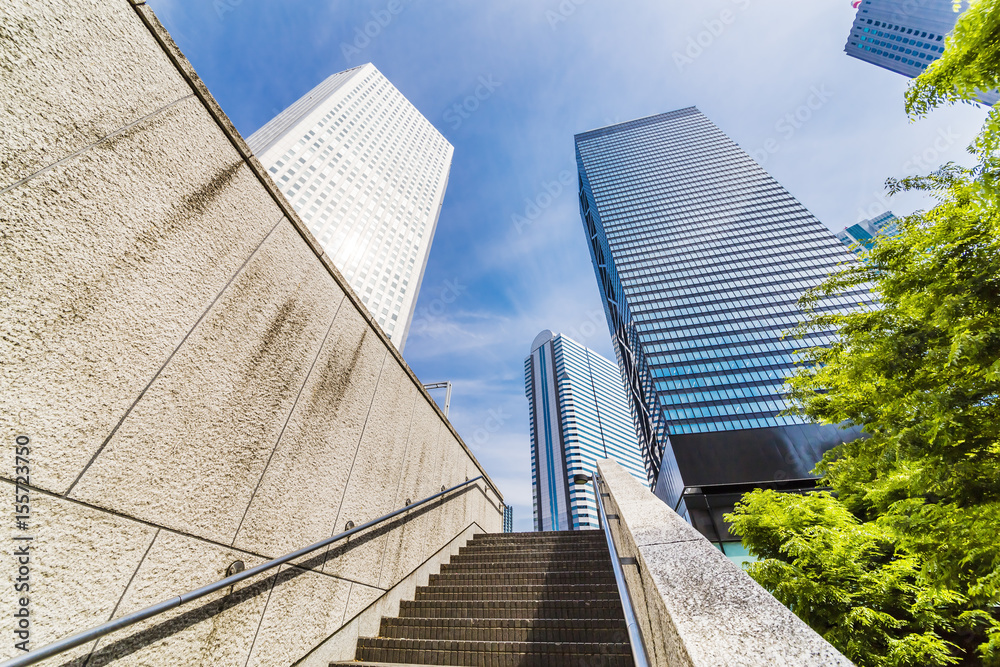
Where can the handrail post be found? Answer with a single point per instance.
(597, 502)
(634, 634)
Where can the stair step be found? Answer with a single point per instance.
(580, 591)
(490, 653)
(487, 555)
(554, 548)
(552, 535)
(526, 578)
(541, 560)
(515, 596)
(526, 609)
(505, 660)
(583, 550)
(542, 590)
(482, 549)
(506, 630)
(550, 541)
(561, 549)
(598, 538)
(535, 534)
(517, 567)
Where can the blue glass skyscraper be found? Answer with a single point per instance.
(701, 257)
(578, 414)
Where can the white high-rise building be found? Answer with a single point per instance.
(367, 173)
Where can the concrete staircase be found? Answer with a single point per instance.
(511, 599)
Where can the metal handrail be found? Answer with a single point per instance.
(73, 641)
(634, 635)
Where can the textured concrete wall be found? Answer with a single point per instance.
(198, 382)
(695, 607)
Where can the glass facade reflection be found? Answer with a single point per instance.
(701, 257)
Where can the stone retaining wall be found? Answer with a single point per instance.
(198, 383)
(694, 606)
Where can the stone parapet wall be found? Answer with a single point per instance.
(198, 383)
(695, 607)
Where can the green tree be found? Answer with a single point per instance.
(850, 581)
(902, 566)
(970, 63)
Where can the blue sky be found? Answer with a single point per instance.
(509, 257)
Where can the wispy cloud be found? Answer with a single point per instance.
(607, 62)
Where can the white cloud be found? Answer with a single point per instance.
(607, 62)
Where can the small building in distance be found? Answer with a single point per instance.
(578, 414)
(861, 235)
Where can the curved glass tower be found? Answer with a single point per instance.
(578, 414)
(701, 257)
